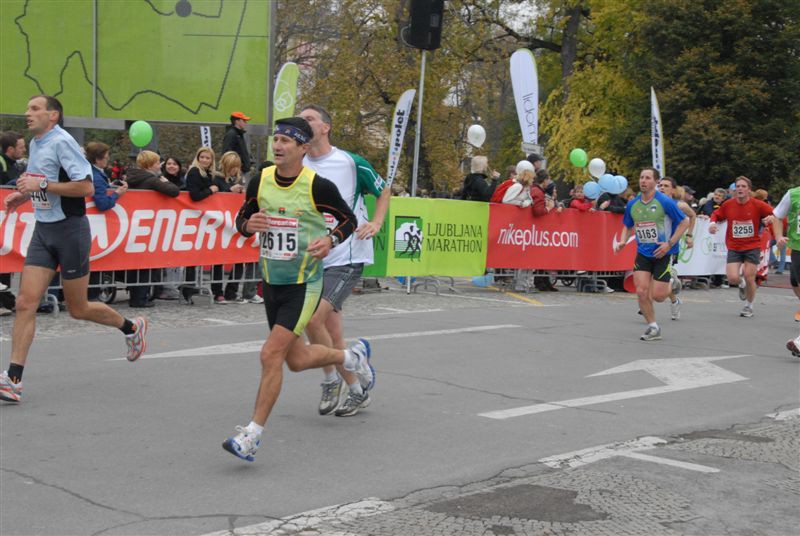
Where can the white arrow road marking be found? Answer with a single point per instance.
(678, 374)
(628, 449)
(247, 347)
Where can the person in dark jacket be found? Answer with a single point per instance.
(476, 187)
(172, 170)
(234, 139)
(147, 176)
(611, 203)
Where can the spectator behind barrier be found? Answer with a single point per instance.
(476, 187)
(579, 200)
(519, 192)
(12, 145)
(147, 176)
(229, 180)
(609, 202)
(172, 170)
(541, 203)
(199, 184)
(712, 204)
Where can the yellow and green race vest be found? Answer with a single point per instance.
(293, 223)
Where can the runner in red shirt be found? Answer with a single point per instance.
(744, 215)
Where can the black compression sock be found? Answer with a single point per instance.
(127, 328)
(15, 372)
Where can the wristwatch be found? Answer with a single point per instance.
(334, 241)
(689, 235)
(43, 185)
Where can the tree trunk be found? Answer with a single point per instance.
(569, 45)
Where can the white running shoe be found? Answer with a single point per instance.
(256, 299)
(364, 369)
(244, 444)
(747, 311)
(651, 334)
(331, 396)
(9, 391)
(742, 289)
(675, 309)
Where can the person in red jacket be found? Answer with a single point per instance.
(579, 200)
(743, 214)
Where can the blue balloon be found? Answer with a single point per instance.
(620, 184)
(591, 190)
(607, 182)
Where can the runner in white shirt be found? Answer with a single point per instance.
(354, 177)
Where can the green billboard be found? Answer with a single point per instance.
(157, 60)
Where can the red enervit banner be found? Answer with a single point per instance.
(570, 240)
(144, 230)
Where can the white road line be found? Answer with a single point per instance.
(628, 449)
(309, 521)
(220, 321)
(405, 311)
(785, 415)
(255, 346)
(666, 461)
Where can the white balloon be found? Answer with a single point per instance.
(476, 135)
(597, 167)
(524, 165)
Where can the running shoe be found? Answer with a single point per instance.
(364, 369)
(792, 346)
(243, 445)
(256, 299)
(353, 404)
(9, 391)
(747, 311)
(797, 316)
(675, 309)
(651, 334)
(742, 289)
(331, 396)
(136, 341)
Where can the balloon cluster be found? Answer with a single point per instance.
(613, 184)
(140, 133)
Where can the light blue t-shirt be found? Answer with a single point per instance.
(49, 155)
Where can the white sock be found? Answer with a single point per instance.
(653, 325)
(254, 428)
(331, 376)
(356, 388)
(350, 361)
(750, 304)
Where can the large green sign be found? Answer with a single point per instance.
(157, 60)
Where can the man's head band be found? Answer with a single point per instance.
(293, 132)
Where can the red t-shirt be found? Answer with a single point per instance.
(744, 221)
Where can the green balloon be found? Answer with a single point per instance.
(140, 133)
(578, 157)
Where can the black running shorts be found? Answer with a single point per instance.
(658, 267)
(292, 306)
(66, 243)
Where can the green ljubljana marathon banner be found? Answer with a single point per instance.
(157, 60)
(422, 237)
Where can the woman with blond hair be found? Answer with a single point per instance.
(200, 177)
(229, 180)
(146, 176)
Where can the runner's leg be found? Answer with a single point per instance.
(33, 285)
(81, 308)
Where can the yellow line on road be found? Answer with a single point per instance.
(518, 296)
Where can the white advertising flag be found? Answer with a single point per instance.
(402, 112)
(205, 136)
(656, 134)
(525, 82)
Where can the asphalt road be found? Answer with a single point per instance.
(103, 446)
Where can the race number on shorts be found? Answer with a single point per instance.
(279, 241)
(743, 229)
(647, 232)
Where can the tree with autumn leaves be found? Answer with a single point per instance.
(727, 75)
